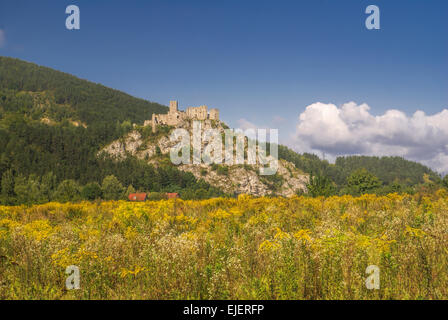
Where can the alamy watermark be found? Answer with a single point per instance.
(373, 20)
(73, 280)
(373, 280)
(73, 21)
(235, 149)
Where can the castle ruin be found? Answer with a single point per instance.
(175, 116)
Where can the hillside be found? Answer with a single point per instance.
(390, 170)
(43, 92)
(50, 120)
(53, 126)
(154, 148)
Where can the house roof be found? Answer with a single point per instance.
(172, 195)
(137, 197)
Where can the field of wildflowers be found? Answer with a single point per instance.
(245, 248)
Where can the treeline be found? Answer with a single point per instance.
(18, 189)
(361, 182)
(363, 174)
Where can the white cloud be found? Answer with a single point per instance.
(245, 124)
(2, 38)
(352, 129)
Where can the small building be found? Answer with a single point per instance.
(173, 195)
(138, 197)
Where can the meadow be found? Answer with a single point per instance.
(244, 248)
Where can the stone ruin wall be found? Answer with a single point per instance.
(198, 113)
(174, 116)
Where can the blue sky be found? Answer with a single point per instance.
(261, 61)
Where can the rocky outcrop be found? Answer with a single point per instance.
(234, 179)
(119, 149)
(294, 180)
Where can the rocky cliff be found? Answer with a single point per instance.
(242, 178)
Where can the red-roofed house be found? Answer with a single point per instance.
(137, 197)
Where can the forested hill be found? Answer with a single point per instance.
(387, 169)
(53, 121)
(390, 170)
(52, 126)
(44, 92)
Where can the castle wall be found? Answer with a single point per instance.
(174, 116)
(199, 113)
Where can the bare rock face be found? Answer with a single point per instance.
(119, 149)
(243, 179)
(165, 145)
(237, 179)
(293, 180)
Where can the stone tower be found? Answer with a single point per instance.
(214, 114)
(153, 123)
(173, 106)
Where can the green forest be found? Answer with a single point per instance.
(364, 174)
(53, 124)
